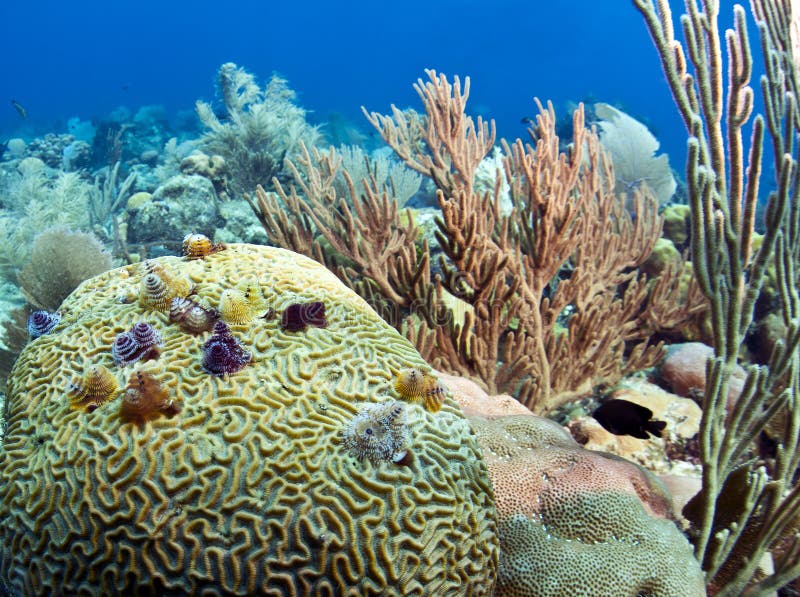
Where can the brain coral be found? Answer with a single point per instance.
(579, 523)
(248, 489)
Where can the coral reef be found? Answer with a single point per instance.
(747, 508)
(580, 523)
(210, 167)
(247, 490)
(35, 200)
(179, 204)
(683, 371)
(262, 129)
(380, 169)
(673, 453)
(555, 303)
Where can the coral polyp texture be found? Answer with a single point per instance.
(576, 522)
(248, 489)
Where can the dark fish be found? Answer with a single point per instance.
(622, 417)
(19, 108)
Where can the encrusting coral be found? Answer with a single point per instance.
(579, 523)
(248, 490)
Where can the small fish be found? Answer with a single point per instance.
(19, 108)
(622, 417)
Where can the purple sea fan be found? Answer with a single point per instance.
(222, 354)
(297, 316)
(42, 322)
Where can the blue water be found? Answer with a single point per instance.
(64, 59)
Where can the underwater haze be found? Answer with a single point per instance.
(85, 59)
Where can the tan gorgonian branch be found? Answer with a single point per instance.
(519, 294)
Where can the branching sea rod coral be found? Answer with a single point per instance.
(568, 245)
(749, 508)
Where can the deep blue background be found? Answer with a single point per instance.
(63, 59)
